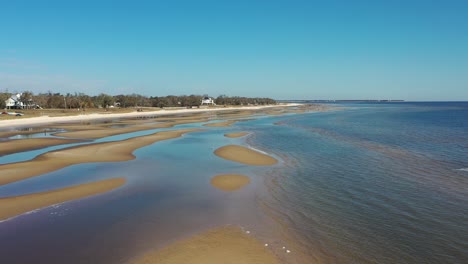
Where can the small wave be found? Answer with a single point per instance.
(462, 169)
(263, 152)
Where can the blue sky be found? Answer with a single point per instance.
(412, 50)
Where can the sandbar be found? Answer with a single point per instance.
(16, 205)
(221, 124)
(99, 152)
(228, 245)
(106, 132)
(245, 155)
(229, 182)
(236, 135)
(20, 145)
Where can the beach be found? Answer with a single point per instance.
(225, 242)
(236, 132)
(86, 117)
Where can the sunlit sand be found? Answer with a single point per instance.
(229, 182)
(16, 205)
(20, 145)
(245, 155)
(236, 135)
(227, 245)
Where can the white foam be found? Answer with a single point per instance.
(462, 169)
(263, 152)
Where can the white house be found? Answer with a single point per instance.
(14, 101)
(207, 101)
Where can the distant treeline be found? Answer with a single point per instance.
(81, 100)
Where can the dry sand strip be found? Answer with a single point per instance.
(16, 205)
(20, 145)
(229, 182)
(47, 119)
(107, 132)
(245, 155)
(227, 245)
(236, 135)
(99, 152)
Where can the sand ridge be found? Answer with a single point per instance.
(227, 245)
(20, 145)
(221, 124)
(16, 205)
(106, 132)
(245, 155)
(229, 182)
(99, 152)
(236, 134)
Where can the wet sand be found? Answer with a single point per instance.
(100, 152)
(245, 155)
(236, 135)
(20, 145)
(230, 182)
(7, 134)
(221, 124)
(16, 205)
(228, 245)
(107, 132)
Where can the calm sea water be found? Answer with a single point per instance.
(382, 183)
(370, 183)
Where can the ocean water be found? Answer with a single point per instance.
(374, 183)
(366, 183)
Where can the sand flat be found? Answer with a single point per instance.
(227, 245)
(107, 132)
(221, 124)
(99, 152)
(20, 145)
(236, 135)
(229, 182)
(16, 205)
(245, 155)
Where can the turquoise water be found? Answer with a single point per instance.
(372, 183)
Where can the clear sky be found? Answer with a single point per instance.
(330, 49)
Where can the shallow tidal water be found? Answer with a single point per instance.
(376, 183)
(372, 183)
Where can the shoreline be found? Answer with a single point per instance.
(33, 121)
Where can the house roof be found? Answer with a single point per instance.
(16, 97)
